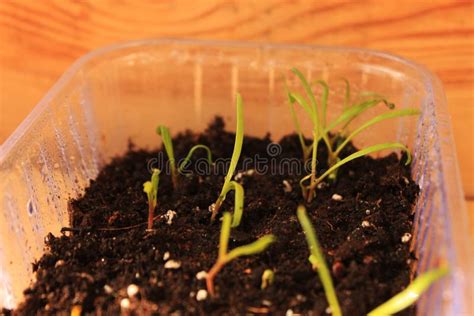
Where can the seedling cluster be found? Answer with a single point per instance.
(334, 139)
(335, 135)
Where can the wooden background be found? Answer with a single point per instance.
(40, 39)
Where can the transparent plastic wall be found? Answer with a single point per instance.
(121, 93)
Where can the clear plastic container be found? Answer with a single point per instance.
(121, 92)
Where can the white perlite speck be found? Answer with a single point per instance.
(132, 290)
(406, 238)
(125, 303)
(172, 264)
(170, 214)
(59, 263)
(336, 197)
(201, 275)
(365, 224)
(287, 186)
(289, 312)
(367, 211)
(201, 295)
(328, 310)
(212, 207)
(108, 289)
(166, 256)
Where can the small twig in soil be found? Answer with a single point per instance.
(225, 257)
(90, 228)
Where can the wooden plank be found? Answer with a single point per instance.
(41, 39)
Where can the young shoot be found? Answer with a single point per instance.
(317, 260)
(151, 190)
(225, 257)
(239, 139)
(164, 132)
(267, 278)
(410, 294)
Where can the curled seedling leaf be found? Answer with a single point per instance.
(410, 294)
(239, 139)
(186, 160)
(318, 262)
(238, 202)
(267, 278)
(151, 190)
(225, 257)
(164, 132)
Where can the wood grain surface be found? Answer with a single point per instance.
(40, 39)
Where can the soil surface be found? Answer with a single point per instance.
(360, 220)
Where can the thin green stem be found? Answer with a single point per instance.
(225, 257)
(164, 132)
(318, 261)
(239, 139)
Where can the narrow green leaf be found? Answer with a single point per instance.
(375, 120)
(361, 153)
(239, 139)
(309, 93)
(225, 234)
(352, 112)
(324, 101)
(305, 105)
(318, 261)
(347, 94)
(305, 148)
(164, 132)
(238, 202)
(191, 152)
(251, 249)
(411, 294)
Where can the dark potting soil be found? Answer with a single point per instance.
(360, 220)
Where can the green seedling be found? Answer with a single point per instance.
(225, 257)
(151, 190)
(239, 139)
(318, 262)
(238, 202)
(164, 132)
(411, 294)
(268, 277)
(326, 131)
